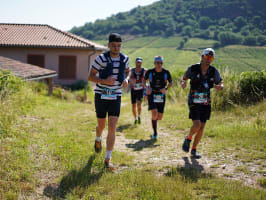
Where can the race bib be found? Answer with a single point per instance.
(138, 86)
(200, 97)
(158, 98)
(108, 94)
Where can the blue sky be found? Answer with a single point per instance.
(63, 14)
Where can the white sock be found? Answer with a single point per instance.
(138, 116)
(98, 139)
(108, 154)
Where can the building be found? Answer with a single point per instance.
(47, 47)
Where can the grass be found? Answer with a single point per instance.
(47, 152)
(237, 58)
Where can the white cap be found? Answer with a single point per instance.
(208, 51)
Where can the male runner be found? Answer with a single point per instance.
(110, 72)
(136, 83)
(160, 80)
(202, 77)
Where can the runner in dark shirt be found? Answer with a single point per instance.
(160, 80)
(202, 77)
(137, 88)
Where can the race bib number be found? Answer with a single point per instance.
(108, 94)
(158, 98)
(138, 86)
(200, 97)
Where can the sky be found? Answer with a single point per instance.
(63, 14)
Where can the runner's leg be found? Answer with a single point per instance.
(154, 121)
(134, 110)
(112, 121)
(100, 126)
(198, 136)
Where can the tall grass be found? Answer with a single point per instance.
(16, 99)
(244, 89)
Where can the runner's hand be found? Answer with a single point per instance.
(183, 84)
(219, 87)
(163, 91)
(109, 81)
(125, 83)
(148, 91)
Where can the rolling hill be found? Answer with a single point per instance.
(227, 21)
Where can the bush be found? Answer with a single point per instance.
(16, 98)
(227, 38)
(250, 40)
(252, 86)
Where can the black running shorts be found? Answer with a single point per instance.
(153, 105)
(199, 112)
(103, 106)
(136, 95)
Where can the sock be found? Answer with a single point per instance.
(154, 126)
(108, 154)
(98, 139)
(188, 137)
(193, 147)
(138, 116)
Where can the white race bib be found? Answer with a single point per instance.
(158, 98)
(138, 86)
(200, 97)
(108, 94)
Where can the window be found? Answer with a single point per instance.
(36, 60)
(67, 67)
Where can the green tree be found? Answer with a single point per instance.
(250, 40)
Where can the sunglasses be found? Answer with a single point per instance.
(209, 57)
(159, 63)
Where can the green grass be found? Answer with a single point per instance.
(236, 58)
(49, 148)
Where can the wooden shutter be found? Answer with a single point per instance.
(36, 60)
(67, 67)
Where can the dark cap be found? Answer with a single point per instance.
(138, 59)
(115, 37)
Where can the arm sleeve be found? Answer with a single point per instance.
(127, 63)
(146, 77)
(169, 77)
(217, 77)
(188, 73)
(97, 64)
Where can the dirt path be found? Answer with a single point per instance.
(166, 153)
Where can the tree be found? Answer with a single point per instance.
(204, 22)
(261, 40)
(187, 31)
(250, 40)
(227, 38)
(240, 22)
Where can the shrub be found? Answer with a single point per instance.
(16, 98)
(252, 86)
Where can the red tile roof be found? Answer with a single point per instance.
(24, 70)
(41, 35)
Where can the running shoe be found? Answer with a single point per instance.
(154, 137)
(139, 120)
(108, 165)
(136, 121)
(98, 146)
(186, 144)
(195, 154)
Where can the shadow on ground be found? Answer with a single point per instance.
(121, 128)
(75, 178)
(141, 144)
(191, 171)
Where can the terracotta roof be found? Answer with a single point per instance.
(24, 70)
(42, 35)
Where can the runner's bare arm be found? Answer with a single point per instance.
(92, 77)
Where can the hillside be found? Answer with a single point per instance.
(227, 21)
(47, 150)
(236, 58)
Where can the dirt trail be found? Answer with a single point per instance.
(166, 153)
